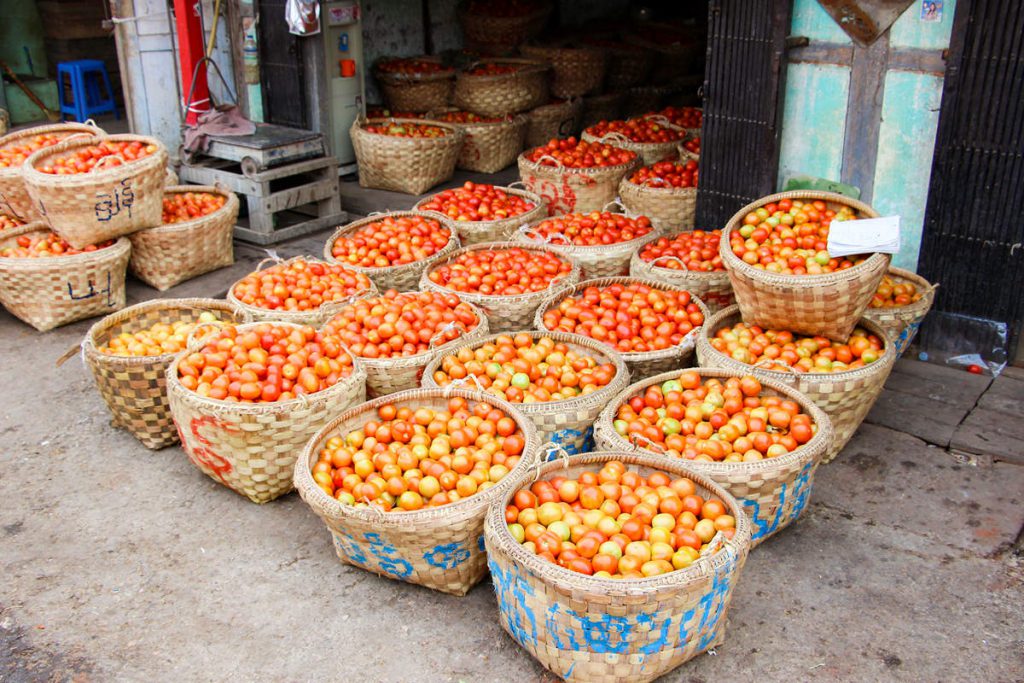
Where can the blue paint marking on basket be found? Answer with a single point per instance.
(573, 441)
(480, 544)
(512, 590)
(800, 494)
(446, 555)
(385, 555)
(121, 198)
(91, 291)
(903, 341)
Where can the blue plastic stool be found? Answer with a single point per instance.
(86, 76)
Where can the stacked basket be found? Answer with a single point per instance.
(522, 89)
(405, 164)
(415, 92)
(475, 232)
(490, 144)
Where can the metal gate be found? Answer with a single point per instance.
(282, 72)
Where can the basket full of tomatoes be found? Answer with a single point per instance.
(629, 557)
(759, 438)
(415, 84)
(665, 192)
(48, 283)
(499, 26)
(688, 260)
(403, 482)
(652, 137)
(405, 155)
(844, 379)
(576, 69)
(392, 249)
(575, 176)
(498, 87)
(485, 213)
(776, 253)
(492, 142)
(899, 305)
(195, 237)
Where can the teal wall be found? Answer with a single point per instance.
(21, 38)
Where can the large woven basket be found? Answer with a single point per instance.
(567, 425)
(829, 305)
(588, 629)
(628, 66)
(713, 288)
(417, 93)
(489, 146)
(14, 198)
(504, 313)
(675, 51)
(251, 447)
(106, 203)
(846, 397)
(475, 232)
(439, 548)
(641, 364)
(50, 292)
(773, 491)
(170, 254)
(650, 152)
(135, 387)
(503, 94)
(409, 165)
(501, 33)
(669, 208)
(315, 317)
(645, 98)
(555, 120)
(404, 277)
(902, 322)
(573, 190)
(606, 107)
(575, 70)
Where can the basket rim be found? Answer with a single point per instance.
(698, 274)
(73, 126)
(528, 67)
(526, 194)
(40, 226)
(656, 191)
(507, 121)
(230, 204)
(447, 72)
(645, 146)
(536, 166)
(34, 176)
(360, 125)
(587, 249)
(355, 226)
(258, 310)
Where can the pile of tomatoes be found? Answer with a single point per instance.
(102, 155)
(643, 130)
(527, 368)
(406, 459)
(693, 145)
(778, 349)
(501, 272)
(155, 340)
(684, 117)
(391, 241)
(631, 317)
(378, 112)
(478, 202)
(411, 67)
(466, 117)
(590, 229)
(572, 153)
(8, 222)
(791, 237)
(616, 523)
(395, 325)
(666, 174)
(266, 363)
(299, 285)
(406, 130)
(185, 206)
(15, 154)
(47, 245)
(892, 293)
(714, 421)
(696, 250)
(492, 69)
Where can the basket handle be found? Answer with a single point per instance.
(663, 121)
(615, 136)
(542, 457)
(617, 202)
(558, 163)
(101, 162)
(769, 364)
(83, 134)
(636, 439)
(275, 259)
(527, 232)
(464, 382)
(194, 337)
(70, 353)
(449, 326)
(654, 263)
(521, 185)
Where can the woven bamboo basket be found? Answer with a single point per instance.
(675, 52)
(50, 292)
(575, 70)
(504, 313)
(404, 277)
(251, 448)
(489, 146)
(641, 364)
(669, 208)
(713, 288)
(106, 203)
(14, 198)
(846, 397)
(417, 93)
(439, 548)
(829, 305)
(606, 107)
(475, 232)
(502, 33)
(5, 121)
(573, 190)
(170, 178)
(409, 165)
(604, 260)
(555, 120)
(135, 387)
(170, 254)
(650, 152)
(774, 491)
(643, 99)
(628, 66)
(588, 629)
(902, 322)
(567, 425)
(315, 317)
(503, 94)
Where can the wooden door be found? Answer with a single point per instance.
(282, 68)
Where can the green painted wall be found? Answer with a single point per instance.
(21, 38)
(814, 121)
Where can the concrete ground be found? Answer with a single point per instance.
(119, 563)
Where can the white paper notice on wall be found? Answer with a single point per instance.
(864, 236)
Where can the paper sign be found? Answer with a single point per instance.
(864, 236)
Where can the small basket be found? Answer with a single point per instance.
(567, 424)
(315, 317)
(504, 313)
(502, 33)
(439, 548)
(170, 254)
(401, 278)
(503, 94)
(575, 70)
(251, 448)
(409, 165)
(650, 152)
(489, 146)
(669, 208)
(597, 108)
(585, 628)
(902, 322)
(828, 305)
(14, 198)
(135, 387)
(550, 121)
(713, 288)
(641, 364)
(773, 491)
(846, 397)
(106, 203)
(574, 190)
(416, 93)
(475, 232)
(50, 292)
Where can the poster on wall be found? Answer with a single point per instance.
(303, 17)
(931, 10)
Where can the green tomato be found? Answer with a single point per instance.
(671, 426)
(518, 532)
(671, 385)
(493, 369)
(520, 380)
(822, 258)
(746, 231)
(560, 529)
(620, 426)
